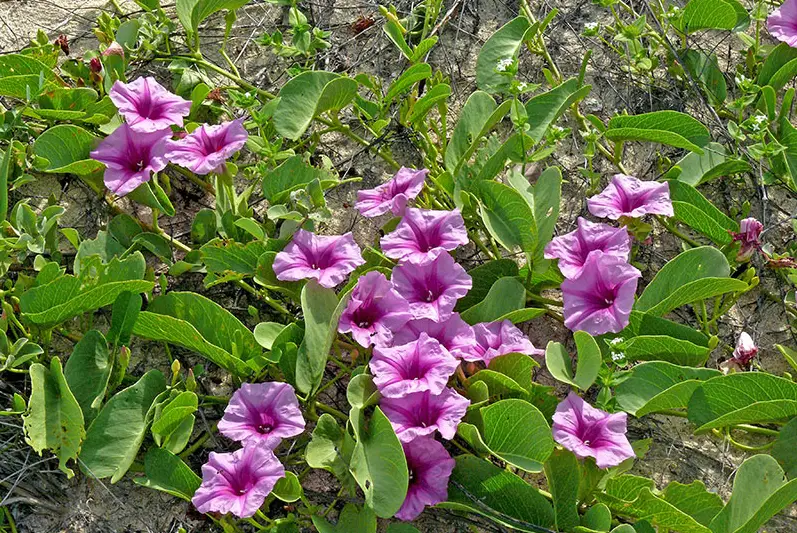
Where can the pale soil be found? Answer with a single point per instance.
(51, 503)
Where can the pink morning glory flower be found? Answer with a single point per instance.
(599, 300)
(627, 196)
(430, 468)
(498, 338)
(590, 432)
(453, 333)
(432, 287)
(749, 236)
(421, 365)
(205, 149)
(374, 311)
(238, 482)
(393, 195)
(573, 248)
(326, 259)
(422, 413)
(131, 157)
(262, 412)
(424, 234)
(147, 106)
(782, 23)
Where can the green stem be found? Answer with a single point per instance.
(675, 231)
(331, 410)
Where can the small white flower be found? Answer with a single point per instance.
(759, 119)
(740, 79)
(522, 86)
(503, 64)
(615, 341)
(617, 356)
(591, 26)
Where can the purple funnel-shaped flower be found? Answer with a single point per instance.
(782, 23)
(627, 196)
(498, 338)
(573, 248)
(430, 468)
(393, 195)
(326, 259)
(600, 299)
(422, 413)
(750, 238)
(207, 148)
(432, 288)
(238, 482)
(374, 311)
(147, 106)
(422, 235)
(131, 157)
(422, 365)
(590, 432)
(453, 333)
(262, 412)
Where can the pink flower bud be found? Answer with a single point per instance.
(745, 349)
(750, 237)
(95, 65)
(115, 49)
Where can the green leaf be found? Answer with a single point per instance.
(378, 463)
(675, 284)
(69, 296)
(518, 433)
(760, 491)
(327, 449)
(502, 46)
(289, 488)
(191, 13)
(484, 276)
(694, 210)
(222, 256)
(779, 68)
(434, 96)
(87, 372)
(291, 175)
(53, 420)
(481, 487)
(203, 228)
(517, 366)
(558, 362)
(176, 330)
(645, 324)
(506, 295)
(476, 119)
(113, 439)
(544, 109)
(665, 127)
(322, 311)
(22, 64)
(507, 216)
(544, 198)
(123, 317)
(663, 348)
(694, 500)
(352, 519)
(785, 448)
(706, 72)
(658, 386)
(564, 477)
(408, 78)
(713, 15)
(166, 472)
(742, 398)
(308, 95)
(66, 148)
(398, 527)
(171, 416)
(361, 391)
(267, 332)
(20, 86)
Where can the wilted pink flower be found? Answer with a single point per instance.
(432, 287)
(393, 195)
(422, 413)
(262, 412)
(423, 234)
(599, 300)
(131, 157)
(430, 468)
(326, 259)
(573, 248)
(421, 365)
(627, 196)
(749, 236)
(745, 349)
(453, 333)
(498, 338)
(147, 106)
(782, 23)
(205, 149)
(590, 432)
(374, 311)
(238, 482)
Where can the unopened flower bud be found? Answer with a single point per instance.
(63, 43)
(745, 349)
(749, 236)
(95, 65)
(115, 49)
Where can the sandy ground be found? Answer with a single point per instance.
(50, 503)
